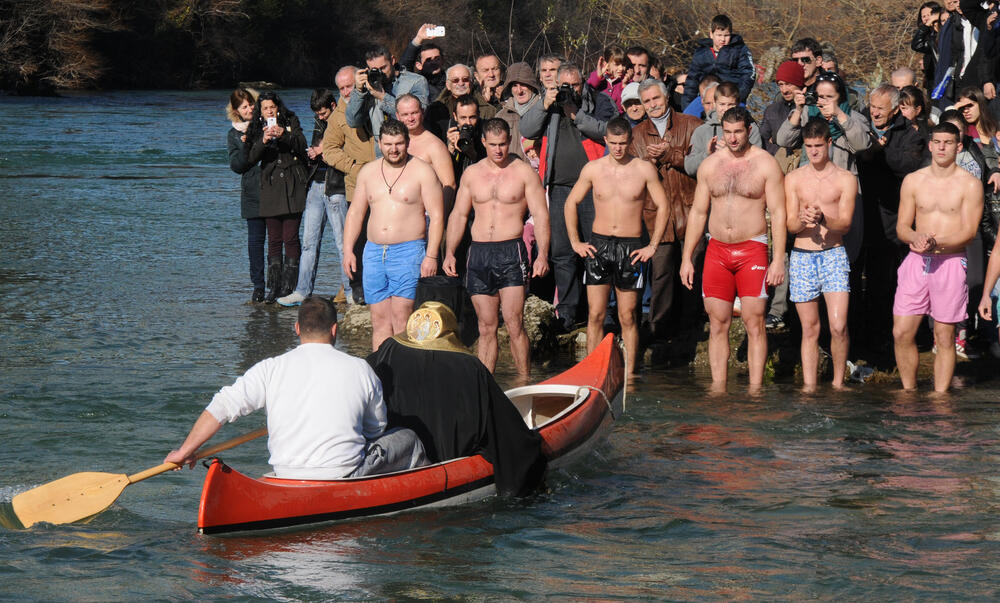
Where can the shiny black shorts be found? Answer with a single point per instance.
(612, 264)
(493, 266)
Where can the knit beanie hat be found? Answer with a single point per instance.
(792, 73)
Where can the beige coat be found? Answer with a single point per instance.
(346, 148)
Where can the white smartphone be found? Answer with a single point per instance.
(272, 121)
(435, 32)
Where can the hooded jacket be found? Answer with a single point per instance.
(518, 73)
(734, 63)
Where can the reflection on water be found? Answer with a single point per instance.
(123, 309)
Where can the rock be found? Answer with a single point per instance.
(356, 323)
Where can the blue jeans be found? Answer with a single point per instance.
(320, 209)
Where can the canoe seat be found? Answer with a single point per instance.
(539, 404)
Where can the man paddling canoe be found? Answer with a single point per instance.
(325, 414)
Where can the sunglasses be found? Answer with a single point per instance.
(803, 60)
(462, 79)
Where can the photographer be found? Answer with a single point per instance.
(376, 89)
(464, 136)
(570, 121)
(425, 58)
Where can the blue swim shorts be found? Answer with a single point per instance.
(812, 272)
(392, 270)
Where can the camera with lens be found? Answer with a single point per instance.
(466, 136)
(566, 95)
(811, 98)
(376, 79)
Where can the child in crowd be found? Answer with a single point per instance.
(613, 69)
(725, 55)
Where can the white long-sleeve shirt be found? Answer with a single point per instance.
(322, 406)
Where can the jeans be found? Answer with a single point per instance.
(256, 230)
(565, 262)
(319, 209)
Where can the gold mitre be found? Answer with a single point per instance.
(432, 326)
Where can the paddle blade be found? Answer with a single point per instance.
(69, 499)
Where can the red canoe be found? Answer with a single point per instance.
(571, 412)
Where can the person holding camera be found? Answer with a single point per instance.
(377, 88)
(463, 135)
(425, 57)
(275, 140)
(570, 121)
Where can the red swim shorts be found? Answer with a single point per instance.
(732, 268)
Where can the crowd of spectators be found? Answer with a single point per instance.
(558, 112)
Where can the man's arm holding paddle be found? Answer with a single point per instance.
(204, 428)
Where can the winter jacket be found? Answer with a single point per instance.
(346, 148)
(881, 170)
(596, 110)
(774, 115)
(319, 171)
(365, 111)
(702, 136)
(508, 112)
(249, 174)
(612, 88)
(670, 166)
(925, 42)
(283, 177)
(734, 63)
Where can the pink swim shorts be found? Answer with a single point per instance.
(932, 284)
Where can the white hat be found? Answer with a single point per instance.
(630, 92)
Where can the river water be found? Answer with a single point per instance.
(123, 289)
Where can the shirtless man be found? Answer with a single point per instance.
(499, 188)
(402, 192)
(616, 253)
(737, 183)
(945, 202)
(819, 201)
(427, 146)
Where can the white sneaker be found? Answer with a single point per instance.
(292, 299)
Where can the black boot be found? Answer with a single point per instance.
(289, 276)
(273, 279)
(258, 295)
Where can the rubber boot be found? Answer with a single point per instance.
(273, 279)
(289, 276)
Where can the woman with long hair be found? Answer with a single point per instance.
(239, 110)
(275, 141)
(913, 106)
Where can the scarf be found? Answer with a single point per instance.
(241, 125)
(835, 130)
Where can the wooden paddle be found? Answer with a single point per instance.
(81, 495)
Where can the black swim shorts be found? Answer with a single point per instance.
(493, 266)
(612, 264)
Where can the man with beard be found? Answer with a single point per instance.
(735, 187)
(499, 189)
(405, 199)
(616, 253)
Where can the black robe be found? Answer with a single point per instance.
(456, 407)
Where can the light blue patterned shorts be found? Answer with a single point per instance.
(811, 273)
